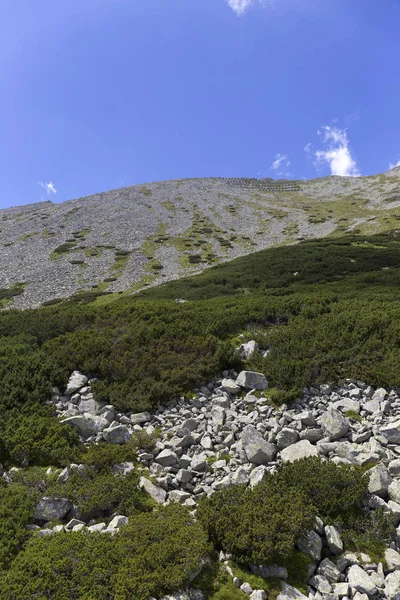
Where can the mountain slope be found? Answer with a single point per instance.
(127, 239)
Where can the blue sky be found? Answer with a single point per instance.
(99, 94)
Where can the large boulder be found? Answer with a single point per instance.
(286, 437)
(379, 481)
(333, 539)
(392, 589)
(391, 432)
(252, 380)
(257, 450)
(75, 382)
(311, 545)
(288, 592)
(360, 581)
(167, 458)
(119, 434)
(334, 424)
(139, 418)
(50, 508)
(394, 491)
(392, 559)
(86, 424)
(303, 449)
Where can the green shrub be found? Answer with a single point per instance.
(259, 525)
(103, 492)
(335, 491)
(105, 455)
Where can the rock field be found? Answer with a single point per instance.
(227, 434)
(126, 239)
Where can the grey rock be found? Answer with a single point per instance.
(258, 595)
(75, 382)
(360, 581)
(166, 458)
(178, 496)
(268, 571)
(311, 544)
(333, 539)
(302, 449)
(379, 395)
(392, 588)
(252, 380)
(286, 437)
(87, 425)
(246, 350)
(72, 523)
(240, 477)
(257, 475)
(50, 508)
(394, 491)
(117, 522)
(334, 424)
(230, 386)
(341, 589)
(329, 570)
(394, 468)
(246, 588)
(391, 432)
(379, 481)
(392, 559)
(288, 592)
(157, 493)
(97, 528)
(257, 450)
(117, 435)
(140, 418)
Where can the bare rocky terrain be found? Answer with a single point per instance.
(126, 239)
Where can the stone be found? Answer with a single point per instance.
(230, 386)
(394, 467)
(269, 571)
(252, 380)
(329, 570)
(178, 496)
(73, 522)
(140, 418)
(379, 395)
(341, 589)
(86, 424)
(218, 415)
(288, 592)
(45, 532)
(89, 406)
(311, 544)
(334, 424)
(240, 477)
(50, 508)
(392, 559)
(286, 437)
(360, 581)
(246, 350)
(391, 432)
(75, 382)
(97, 528)
(379, 481)
(257, 475)
(157, 493)
(333, 539)
(199, 463)
(166, 458)
(321, 584)
(117, 522)
(117, 435)
(246, 588)
(258, 595)
(302, 449)
(372, 406)
(394, 491)
(392, 588)
(257, 450)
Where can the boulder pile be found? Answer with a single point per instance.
(229, 434)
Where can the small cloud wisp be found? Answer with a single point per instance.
(337, 154)
(49, 187)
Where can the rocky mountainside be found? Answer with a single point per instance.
(126, 239)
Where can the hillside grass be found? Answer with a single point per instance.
(337, 317)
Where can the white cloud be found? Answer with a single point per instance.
(337, 154)
(241, 6)
(49, 187)
(392, 166)
(281, 160)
